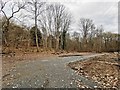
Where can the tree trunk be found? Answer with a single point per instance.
(64, 40)
(36, 27)
(84, 44)
(45, 42)
(57, 43)
(50, 42)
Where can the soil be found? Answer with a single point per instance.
(105, 70)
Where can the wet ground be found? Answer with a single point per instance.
(51, 72)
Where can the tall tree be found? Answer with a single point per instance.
(66, 25)
(85, 27)
(35, 7)
(46, 24)
(58, 12)
(56, 21)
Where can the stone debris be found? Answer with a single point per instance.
(80, 84)
(104, 70)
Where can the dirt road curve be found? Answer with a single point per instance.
(49, 73)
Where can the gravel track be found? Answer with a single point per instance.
(48, 73)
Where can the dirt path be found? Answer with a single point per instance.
(50, 73)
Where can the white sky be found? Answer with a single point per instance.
(102, 12)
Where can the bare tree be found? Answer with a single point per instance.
(65, 26)
(6, 24)
(58, 13)
(85, 27)
(35, 7)
(91, 36)
(55, 21)
(99, 34)
(46, 23)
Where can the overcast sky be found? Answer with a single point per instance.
(101, 12)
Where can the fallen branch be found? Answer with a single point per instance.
(70, 55)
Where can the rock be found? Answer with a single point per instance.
(95, 86)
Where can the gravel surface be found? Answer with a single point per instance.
(51, 72)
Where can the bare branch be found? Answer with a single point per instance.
(2, 7)
(3, 4)
(20, 6)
